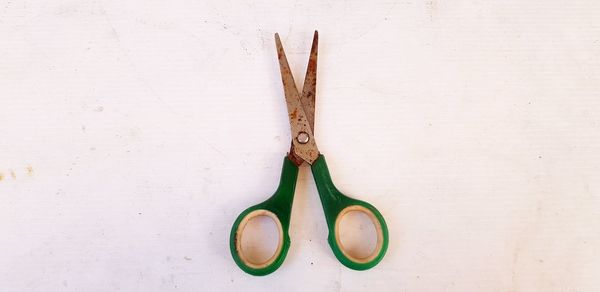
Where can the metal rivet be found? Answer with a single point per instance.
(303, 138)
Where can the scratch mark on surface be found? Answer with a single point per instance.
(516, 253)
(376, 24)
(132, 64)
(245, 48)
(432, 7)
(213, 147)
(522, 241)
(337, 286)
(338, 283)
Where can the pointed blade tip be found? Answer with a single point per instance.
(277, 39)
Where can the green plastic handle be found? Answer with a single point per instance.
(336, 205)
(279, 208)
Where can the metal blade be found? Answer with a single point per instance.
(309, 90)
(303, 141)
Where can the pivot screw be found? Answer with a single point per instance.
(303, 138)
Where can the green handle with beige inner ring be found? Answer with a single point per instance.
(336, 205)
(278, 207)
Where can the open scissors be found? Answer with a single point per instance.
(301, 110)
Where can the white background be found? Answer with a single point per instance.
(132, 133)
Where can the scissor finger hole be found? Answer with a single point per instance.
(259, 238)
(358, 233)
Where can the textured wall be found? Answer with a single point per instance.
(132, 133)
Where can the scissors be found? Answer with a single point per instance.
(301, 110)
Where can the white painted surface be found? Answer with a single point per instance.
(149, 125)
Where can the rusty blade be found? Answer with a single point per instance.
(309, 90)
(289, 85)
(299, 122)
